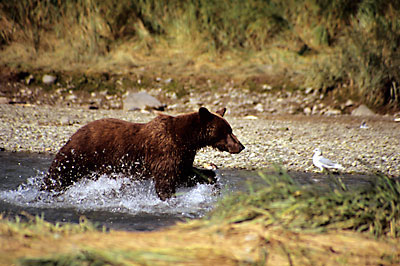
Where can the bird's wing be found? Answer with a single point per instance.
(326, 162)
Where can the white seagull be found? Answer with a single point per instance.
(324, 163)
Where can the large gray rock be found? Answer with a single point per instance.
(362, 110)
(48, 79)
(141, 101)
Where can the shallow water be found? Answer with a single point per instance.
(118, 203)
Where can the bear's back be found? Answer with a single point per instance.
(104, 134)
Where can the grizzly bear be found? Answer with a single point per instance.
(162, 149)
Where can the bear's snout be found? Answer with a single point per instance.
(230, 144)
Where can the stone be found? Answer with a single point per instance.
(307, 111)
(349, 103)
(48, 79)
(141, 101)
(4, 100)
(315, 110)
(332, 112)
(267, 87)
(250, 117)
(71, 97)
(29, 79)
(308, 90)
(259, 107)
(362, 110)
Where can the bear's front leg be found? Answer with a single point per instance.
(165, 188)
(200, 176)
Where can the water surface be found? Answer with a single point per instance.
(118, 203)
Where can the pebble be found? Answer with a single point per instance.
(307, 110)
(48, 79)
(332, 112)
(3, 100)
(285, 140)
(259, 107)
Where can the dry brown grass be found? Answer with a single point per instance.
(350, 47)
(195, 243)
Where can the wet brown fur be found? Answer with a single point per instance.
(162, 149)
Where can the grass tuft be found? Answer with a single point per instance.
(277, 222)
(374, 209)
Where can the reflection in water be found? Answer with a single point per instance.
(116, 202)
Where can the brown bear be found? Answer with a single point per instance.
(162, 149)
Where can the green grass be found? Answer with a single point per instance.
(275, 223)
(347, 46)
(31, 226)
(374, 208)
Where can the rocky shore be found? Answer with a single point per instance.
(271, 139)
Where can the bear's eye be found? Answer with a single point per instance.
(225, 131)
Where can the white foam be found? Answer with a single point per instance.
(116, 194)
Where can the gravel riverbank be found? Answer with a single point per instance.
(286, 140)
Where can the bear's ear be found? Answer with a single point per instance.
(221, 112)
(204, 113)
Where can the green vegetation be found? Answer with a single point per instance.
(374, 208)
(348, 47)
(35, 226)
(276, 223)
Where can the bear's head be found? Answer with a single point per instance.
(218, 131)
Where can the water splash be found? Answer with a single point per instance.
(115, 193)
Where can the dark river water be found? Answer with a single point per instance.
(118, 203)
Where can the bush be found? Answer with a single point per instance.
(324, 44)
